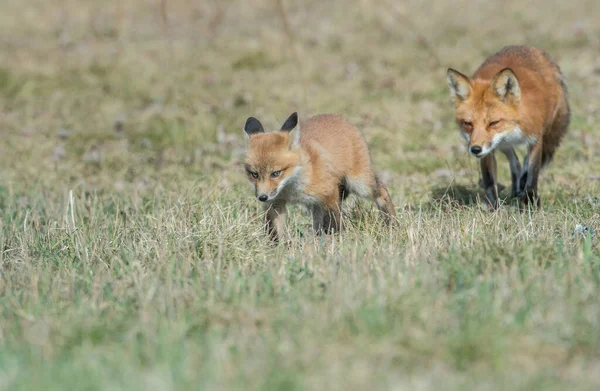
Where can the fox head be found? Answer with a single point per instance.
(487, 112)
(273, 158)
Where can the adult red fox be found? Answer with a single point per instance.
(517, 96)
(317, 165)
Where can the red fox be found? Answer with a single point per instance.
(316, 165)
(517, 96)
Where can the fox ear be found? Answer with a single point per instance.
(460, 87)
(294, 137)
(253, 126)
(506, 86)
(291, 125)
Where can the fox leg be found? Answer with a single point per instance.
(344, 192)
(332, 218)
(326, 219)
(529, 190)
(488, 175)
(317, 215)
(523, 178)
(515, 170)
(382, 199)
(275, 220)
(373, 189)
(332, 221)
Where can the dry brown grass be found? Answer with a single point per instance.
(131, 247)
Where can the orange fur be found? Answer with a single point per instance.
(328, 161)
(517, 96)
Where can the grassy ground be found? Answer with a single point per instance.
(132, 253)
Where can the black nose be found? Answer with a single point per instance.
(475, 149)
(263, 197)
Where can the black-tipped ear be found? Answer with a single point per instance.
(253, 126)
(290, 123)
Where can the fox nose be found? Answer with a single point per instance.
(475, 150)
(263, 197)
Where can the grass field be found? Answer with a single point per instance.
(131, 247)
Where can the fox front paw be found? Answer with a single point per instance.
(491, 198)
(528, 198)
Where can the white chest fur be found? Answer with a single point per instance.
(292, 189)
(511, 138)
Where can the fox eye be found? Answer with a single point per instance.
(494, 123)
(253, 174)
(275, 174)
(467, 124)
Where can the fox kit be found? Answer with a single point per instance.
(517, 96)
(317, 165)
